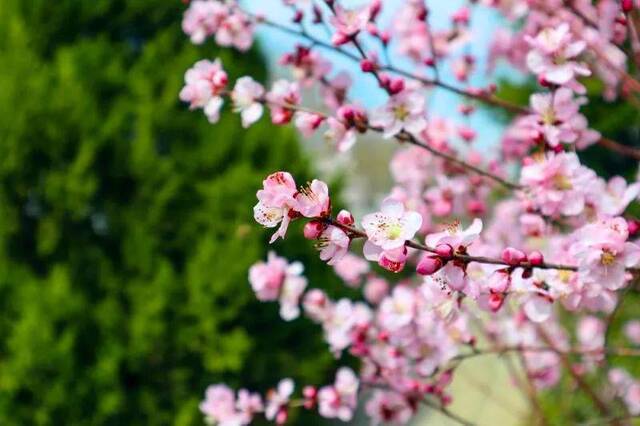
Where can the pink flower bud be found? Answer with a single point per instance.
(429, 265)
(282, 416)
(495, 301)
(476, 207)
(309, 392)
(444, 250)
(367, 65)
(345, 218)
(385, 37)
(297, 18)
(536, 258)
(339, 39)
(313, 230)
(627, 6)
(513, 256)
(633, 226)
(396, 86)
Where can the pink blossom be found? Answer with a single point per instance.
(553, 53)
(248, 404)
(348, 23)
(557, 119)
(375, 290)
(398, 309)
(388, 407)
(204, 84)
(313, 200)
(340, 400)
(392, 226)
(343, 128)
(236, 30)
(632, 331)
(278, 280)
(275, 202)
(351, 268)
(203, 18)
(558, 183)
(603, 252)
(219, 403)
(456, 237)
(333, 245)
(614, 198)
(282, 99)
(316, 305)
(307, 123)
(278, 400)
(246, 96)
(403, 112)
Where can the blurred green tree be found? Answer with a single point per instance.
(126, 226)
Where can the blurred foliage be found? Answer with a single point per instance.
(126, 226)
(618, 120)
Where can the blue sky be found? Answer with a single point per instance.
(441, 102)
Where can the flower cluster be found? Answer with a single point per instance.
(506, 241)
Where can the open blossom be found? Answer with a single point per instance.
(398, 309)
(245, 96)
(351, 268)
(557, 120)
(404, 111)
(204, 83)
(616, 195)
(627, 388)
(313, 201)
(603, 252)
(392, 226)
(284, 95)
(278, 401)
(340, 399)
(203, 18)
(343, 128)
(456, 236)
(388, 407)
(278, 280)
(231, 26)
(219, 405)
(333, 244)
(558, 183)
(275, 203)
(553, 55)
(348, 23)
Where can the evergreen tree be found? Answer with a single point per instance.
(126, 227)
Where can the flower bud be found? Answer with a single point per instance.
(627, 6)
(367, 65)
(495, 301)
(513, 256)
(345, 218)
(536, 258)
(429, 265)
(445, 251)
(396, 86)
(313, 229)
(633, 226)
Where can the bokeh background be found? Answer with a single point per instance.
(126, 228)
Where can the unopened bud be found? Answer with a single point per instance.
(444, 250)
(536, 258)
(627, 6)
(345, 218)
(313, 230)
(513, 256)
(429, 265)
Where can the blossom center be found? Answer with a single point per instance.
(562, 182)
(401, 112)
(607, 258)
